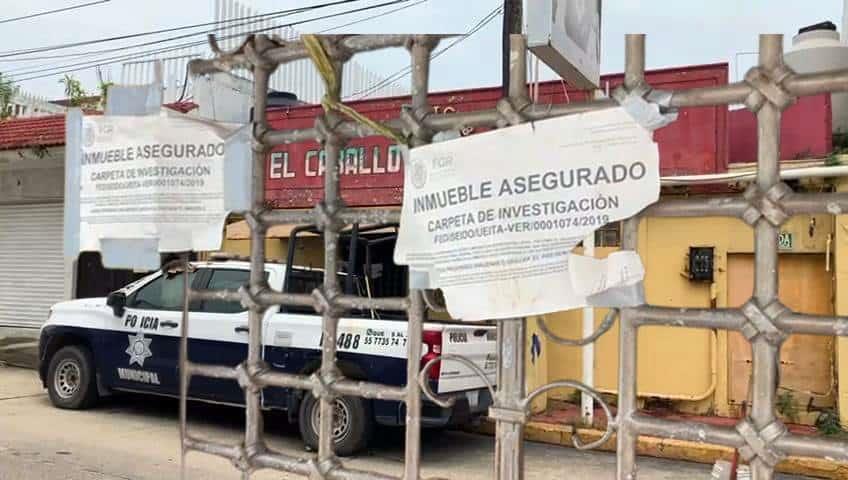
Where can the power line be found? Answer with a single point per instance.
(48, 12)
(252, 19)
(361, 20)
(406, 70)
(270, 16)
(34, 69)
(72, 67)
(372, 17)
(109, 60)
(10, 53)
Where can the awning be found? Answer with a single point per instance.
(241, 231)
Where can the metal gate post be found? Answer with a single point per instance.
(420, 49)
(509, 410)
(509, 434)
(766, 352)
(761, 438)
(328, 372)
(634, 77)
(253, 443)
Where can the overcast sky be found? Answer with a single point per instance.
(679, 32)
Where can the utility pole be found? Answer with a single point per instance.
(512, 23)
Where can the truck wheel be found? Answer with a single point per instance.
(352, 424)
(70, 378)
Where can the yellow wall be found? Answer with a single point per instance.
(309, 250)
(689, 366)
(683, 364)
(536, 364)
(840, 268)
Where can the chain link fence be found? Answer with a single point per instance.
(761, 438)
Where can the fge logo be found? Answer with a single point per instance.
(441, 162)
(421, 170)
(418, 174)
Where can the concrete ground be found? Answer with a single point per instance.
(136, 438)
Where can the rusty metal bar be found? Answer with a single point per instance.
(210, 371)
(832, 450)
(347, 215)
(329, 319)
(509, 433)
(634, 77)
(724, 206)
(728, 319)
(270, 298)
(735, 319)
(736, 205)
(767, 90)
(254, 426)
(687, 431)
(809, 203)
(454, 121)
(420, 50)
(765, 353)
(291, 51)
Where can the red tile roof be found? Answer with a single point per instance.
(183, 107)
(47, 131)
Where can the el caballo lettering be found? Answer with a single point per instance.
(158, 150)
(537, 182)
(374, 160)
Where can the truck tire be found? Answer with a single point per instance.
(71, 381)
(352, 427)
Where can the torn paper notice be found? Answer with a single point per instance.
(492, 218)
(146, 184)
(612, 281)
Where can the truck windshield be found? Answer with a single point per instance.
(366, 267)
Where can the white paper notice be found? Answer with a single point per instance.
(491, 219)
(154, 179)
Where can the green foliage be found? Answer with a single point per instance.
(840, 140)
(103, 87)
(575, 397)
(832, 160)
(8, 90)
(786, 406)
(828, 423)
(73, 91)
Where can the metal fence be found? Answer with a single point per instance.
(761, 438)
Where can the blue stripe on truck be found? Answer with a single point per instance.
(113, 362)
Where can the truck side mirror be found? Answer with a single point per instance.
(117, 300)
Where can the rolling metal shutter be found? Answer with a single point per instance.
(32, 268)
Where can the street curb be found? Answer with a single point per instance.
(557, 434)
(19, 346)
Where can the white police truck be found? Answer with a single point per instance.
(129, 342)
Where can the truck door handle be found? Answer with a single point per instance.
(480, 332)
(241, 329)
(169, 324)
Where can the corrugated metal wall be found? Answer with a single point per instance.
(32, 268)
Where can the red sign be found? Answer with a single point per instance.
(372, 167)
(371, 173)
(805, 131)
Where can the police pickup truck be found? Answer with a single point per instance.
(129, 342)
